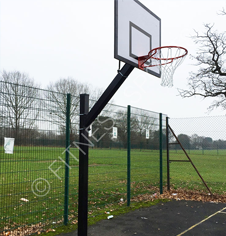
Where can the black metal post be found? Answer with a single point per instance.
(83, 167)
(86, 120)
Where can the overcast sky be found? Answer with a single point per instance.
(53, 39)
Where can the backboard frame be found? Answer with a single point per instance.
(150, 33)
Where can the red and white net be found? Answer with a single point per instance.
(167, 59)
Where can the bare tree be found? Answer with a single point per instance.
(145, 121)
(57, 95)
(222, 12)
(210, 78)
(18, 96)
(120, 119)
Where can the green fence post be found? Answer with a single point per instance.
(167, 153)
(128, 154)
(160, 152)
(66, 193)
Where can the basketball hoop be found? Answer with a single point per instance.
(167, 58)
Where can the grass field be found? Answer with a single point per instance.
(20, 175)
(211, 165)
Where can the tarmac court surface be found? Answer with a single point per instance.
(174, 218)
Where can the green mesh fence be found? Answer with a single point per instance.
(108, 161)
(204, 139)
(145, 161)
(31, 196)
(39, 159)
(110, 184)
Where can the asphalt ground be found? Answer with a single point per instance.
(174, 218)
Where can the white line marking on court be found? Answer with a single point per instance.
(192, 227)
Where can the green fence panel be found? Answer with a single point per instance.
(204, 139)
(39, 179)
(128, 155)
(67, 148)
(160, 154)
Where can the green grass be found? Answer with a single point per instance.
(107, 181)
(211, 167)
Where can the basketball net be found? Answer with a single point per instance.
(167, 59)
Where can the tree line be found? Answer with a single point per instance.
(36, 116)
(196, 142)
(19, 93)
(23, 104)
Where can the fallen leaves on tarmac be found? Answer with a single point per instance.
(182, 194)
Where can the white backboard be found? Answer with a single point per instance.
(137, 31)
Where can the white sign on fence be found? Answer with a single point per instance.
(147, 133)
(115, 132)
(9, 145)
(90, 131)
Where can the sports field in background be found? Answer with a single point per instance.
(107, 180)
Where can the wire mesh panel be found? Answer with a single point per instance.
(164, 151)
(145, 156)
(33, 173)
(39, 159)
(203, 138)
(108, 162)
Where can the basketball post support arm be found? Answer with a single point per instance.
(86, 119)
(108, 93)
